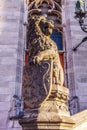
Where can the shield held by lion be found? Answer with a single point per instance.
(38, 75)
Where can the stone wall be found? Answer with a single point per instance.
(76, 61)
(81, 123)
(11, 57)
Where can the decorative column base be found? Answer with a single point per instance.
(63, 123)
(52, 115)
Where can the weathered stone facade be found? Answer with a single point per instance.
(12, 40)
(76, 61)
(11, 57)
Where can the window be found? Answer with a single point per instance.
(58, 39)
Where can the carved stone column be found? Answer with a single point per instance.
(52, 115)
(43, 89)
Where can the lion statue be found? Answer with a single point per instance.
(42, 47)
(42, 50)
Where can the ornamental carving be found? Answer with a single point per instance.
(51, 8)
(44, 73)
(43, 77)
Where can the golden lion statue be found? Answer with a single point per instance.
(41, 47)
(44, 73)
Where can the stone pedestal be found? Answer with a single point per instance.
(43, 79)
(53, 114)
(61, 124)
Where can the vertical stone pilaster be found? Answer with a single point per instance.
(11, 56)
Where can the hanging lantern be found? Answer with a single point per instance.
(81, 14)
(80, 7)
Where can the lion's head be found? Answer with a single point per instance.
(46, 26)
(39, 25)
